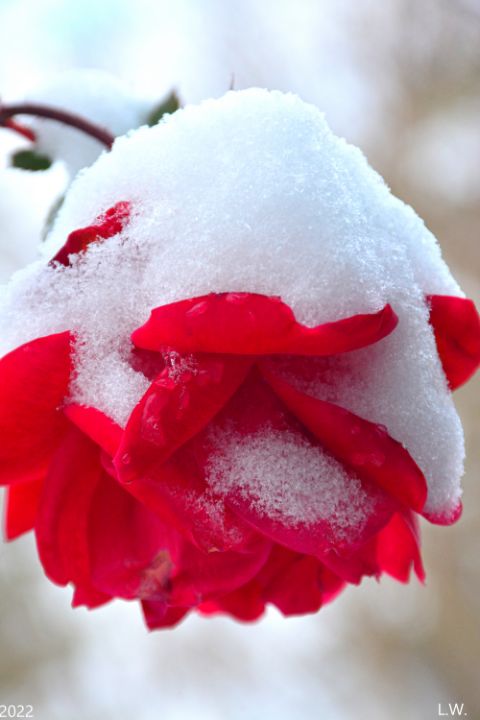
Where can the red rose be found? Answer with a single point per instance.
(192, 505)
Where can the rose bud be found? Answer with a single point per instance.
(229, 382)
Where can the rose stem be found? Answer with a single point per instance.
(61, 116)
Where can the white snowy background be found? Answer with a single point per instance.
(401, 79)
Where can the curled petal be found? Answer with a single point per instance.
(34, 380)
(252, 324)
(456, 325)
(174, 409)
(361, 445)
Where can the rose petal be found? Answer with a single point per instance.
(293, 582)
(34, 380)
(177, 405)
(251, 324)
(62, 518)
(296, 584)
(96, 425)
(89, 597)
(131, 551)
(158, 615)
(244, 604)
(22, 501)
(395, 549)
(105, 226)
(398, 548)
(456, 325)
(200, 576)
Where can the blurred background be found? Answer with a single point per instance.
(401, 79)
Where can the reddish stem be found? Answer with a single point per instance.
(20, 129)
(61, 116)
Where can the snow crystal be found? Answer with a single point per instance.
(287, 478)
(252, 192)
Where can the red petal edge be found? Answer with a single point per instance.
(21, 505)
(96, 425)
(365, 447)
(61, 524)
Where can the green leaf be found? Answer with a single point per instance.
(169, 105)
(30, 160)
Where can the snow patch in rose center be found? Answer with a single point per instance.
(254, 193)
(287, 478)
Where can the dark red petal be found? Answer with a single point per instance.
(62, 517)
(22, 500)
(251, 324)
(456, 325)
(361, 445)
(158, 615)
(105, 226)
(96, 425)
(34, 380)
(174, 409)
